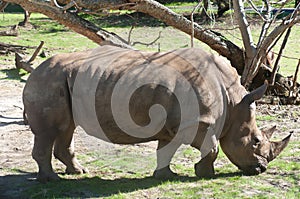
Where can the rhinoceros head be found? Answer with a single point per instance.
(243, 143)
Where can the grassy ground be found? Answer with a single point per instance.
(125, 172)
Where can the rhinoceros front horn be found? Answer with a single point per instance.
(277, 147)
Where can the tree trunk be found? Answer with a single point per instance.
(25, 22)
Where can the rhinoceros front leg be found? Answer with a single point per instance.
(164, 153)
(64, 151)
(205, 167)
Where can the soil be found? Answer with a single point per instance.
(16, 139)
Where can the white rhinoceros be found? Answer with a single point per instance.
(185, 96)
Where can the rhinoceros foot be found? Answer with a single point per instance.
(78, 169)
(46, 177)
(205, 167)
(164, 173)
(203, 170)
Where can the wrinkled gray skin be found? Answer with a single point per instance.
(48, 96)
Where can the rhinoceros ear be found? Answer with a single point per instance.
(255, 94)
(269, 132)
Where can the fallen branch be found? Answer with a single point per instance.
(36, 52)
(13, 31)
(26, 65)
(11, 48)
(20, 63)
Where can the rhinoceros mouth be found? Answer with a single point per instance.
(257, 168)
(254, 170)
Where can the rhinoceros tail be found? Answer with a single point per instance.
(25, 120)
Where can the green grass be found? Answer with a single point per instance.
(266, 117)
(57, 38)
(116, 179)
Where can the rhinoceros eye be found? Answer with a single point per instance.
(256, 142)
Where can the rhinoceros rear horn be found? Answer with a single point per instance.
(256, 94)
(277, 147)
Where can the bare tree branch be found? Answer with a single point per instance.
(295, 79)
(216, 41)
(36, 52)
(248, 42)
(256, 9)
(267, 23)
(148, 44)
(74, 22)
(268, 41)
(276, 66)
(3, 5)
(129, 34)
(192, 22)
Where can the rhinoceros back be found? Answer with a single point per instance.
(126, 96)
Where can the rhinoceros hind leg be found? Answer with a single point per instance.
(205, 167)
(41, 153)
(64, 151)
(164, 153)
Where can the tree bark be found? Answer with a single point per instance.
(25, 22)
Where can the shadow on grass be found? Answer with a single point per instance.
(136, 19)
(12, 74)
(84, 187)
